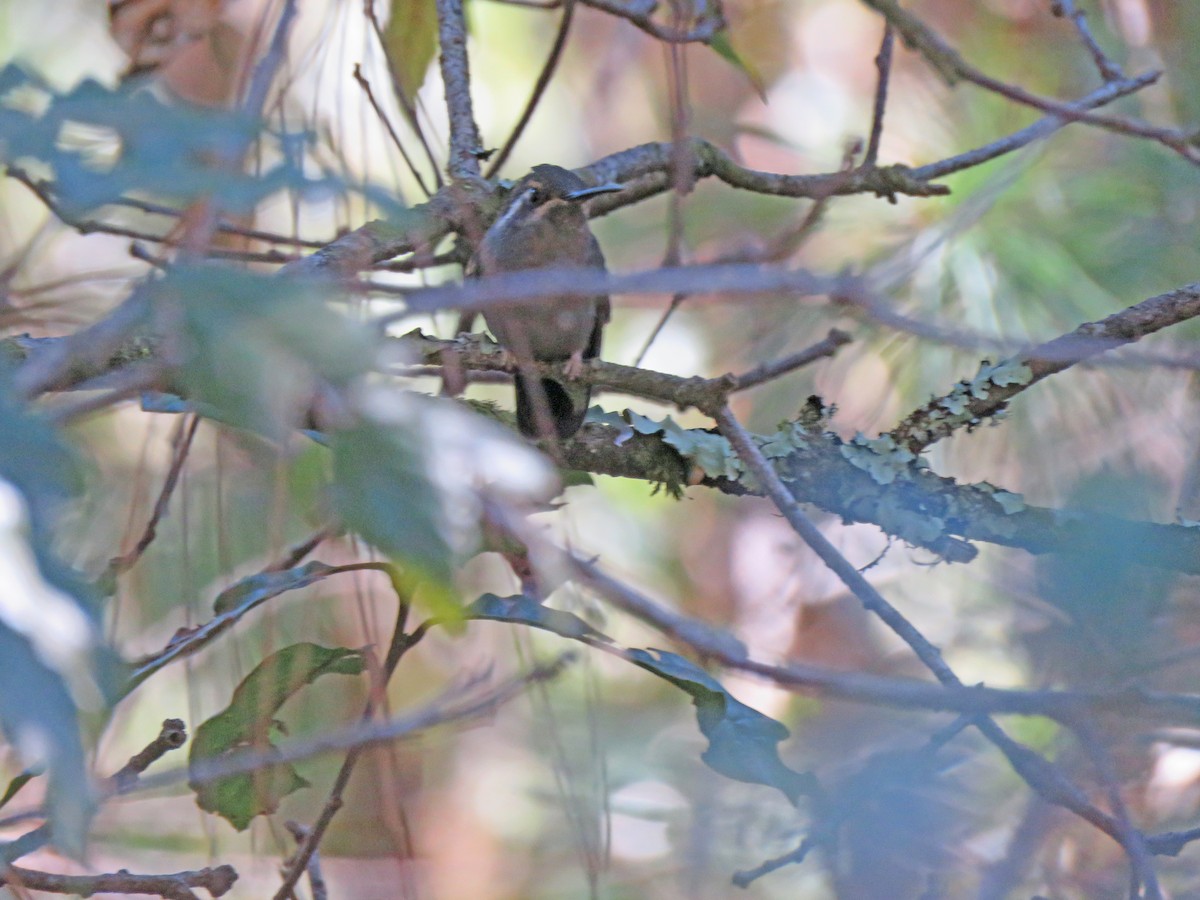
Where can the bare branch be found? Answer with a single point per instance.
(1141, 862)
(316, 880)
(183, 443)
(883, 63)
(465, 144)
(769, 371)
(172, 737)
(387, 124)
(217, 881)
(953, 68)
(942, 416)
(1108, 69)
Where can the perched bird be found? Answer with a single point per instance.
(544, 226)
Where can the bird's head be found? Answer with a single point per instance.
(548, 196)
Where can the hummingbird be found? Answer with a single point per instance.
(543, 226)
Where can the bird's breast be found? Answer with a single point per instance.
(551, 328)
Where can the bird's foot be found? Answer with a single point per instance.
(574, 365)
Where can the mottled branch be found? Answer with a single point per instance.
(990, 392)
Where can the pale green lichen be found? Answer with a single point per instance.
(956, 401)
(881, 458)
(916, 528)
(980, 387)
(1009, 502)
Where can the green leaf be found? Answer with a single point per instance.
(246, 724)
(14, 786)
(40, 720)
(383, 491)
(743, 744)
(409, 41)
(724, 47)
(527, 611)
(254, 348)
(254, 589)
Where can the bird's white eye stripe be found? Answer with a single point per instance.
(514, 208)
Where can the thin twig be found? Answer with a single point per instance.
(400, 643)
(172, 736)
(769, 371)
(952, 67)
(387, 123)
(539, 88)
(1108, 69)
(410, 112)
(296, 554)
(316, 879)
(368, 734)
(1141, 863)
(183, 444)
(639, 12)
(883, 63)
(270, 237)
(681, 177)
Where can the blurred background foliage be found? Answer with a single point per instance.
(594, 782)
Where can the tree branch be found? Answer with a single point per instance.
(217, 881)
(991, 391)
(947, 62)
(465, 144)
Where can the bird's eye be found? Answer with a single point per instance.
(535, 196)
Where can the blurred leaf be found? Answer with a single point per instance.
(410, 40)
(35, 460)
(103, 143)
(14, 786)
(253, 590)
(39, 717)
(255, 348)
(742, 742)
(383, 491)
(231, 604)
(47, 634)
(527, 611)
(722, 43)
(248, 721)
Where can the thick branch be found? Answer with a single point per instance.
(914, 504)
(1043, 776)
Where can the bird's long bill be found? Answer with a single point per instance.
(584, 193)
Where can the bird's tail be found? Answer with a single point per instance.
(565, 404)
